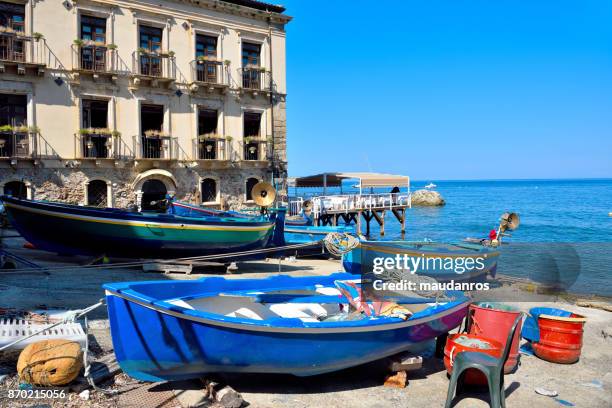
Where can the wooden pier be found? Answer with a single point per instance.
(354, 208)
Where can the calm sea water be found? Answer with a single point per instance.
(565, 226)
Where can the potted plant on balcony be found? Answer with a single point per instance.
(78, 42)
(154, 133)
(85, 131)
(116, 133)
(38, 36)
(112, 47)
(142, 50)
(227, 63)
(6, 129)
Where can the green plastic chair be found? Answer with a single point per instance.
(491, 367)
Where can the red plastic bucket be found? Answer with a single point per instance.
(453, 347)
(560, 338)
(494, 321)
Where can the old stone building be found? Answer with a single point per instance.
(116, 102)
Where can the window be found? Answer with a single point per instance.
(153, 191)
(207, 126)
(252, 125)
(251, 74)
(150, 39)
(250, 54)
(209, 190)
(151, 123)
(93, 57)
(206, 47)
(17, 189)
(13, 112)
(93, 29)
(250, 183)
(95, 116)
(97, 193)
(12, 16)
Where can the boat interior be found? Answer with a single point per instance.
(317, 304)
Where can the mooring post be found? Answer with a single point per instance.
(358, 222)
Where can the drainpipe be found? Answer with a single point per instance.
(271, 97)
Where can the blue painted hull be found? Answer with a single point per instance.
(360, 260)
(155, 340)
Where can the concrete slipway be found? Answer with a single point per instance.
(587, 383)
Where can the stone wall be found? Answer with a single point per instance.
(69, 184)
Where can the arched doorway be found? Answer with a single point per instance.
(153, 190)
(17, 189)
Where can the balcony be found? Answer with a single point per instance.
(94, 59)
(152, 68)
(211, 147)
(21, 54)
(156, 145)
(101, 144)
(254, 79)
(209, 75)
(254, 149)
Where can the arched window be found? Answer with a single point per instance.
(250, 183)
(209, 190)
(17, 189)
(97, 193)
(153, 190)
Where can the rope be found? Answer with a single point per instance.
(338, 243)
(144, 262)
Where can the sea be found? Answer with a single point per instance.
(565, 230)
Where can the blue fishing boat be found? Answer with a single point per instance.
(460, 261)
(72, 229)
(171, 330)
(192, 210)
(296, 233)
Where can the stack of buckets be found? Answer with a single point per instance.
(489, 324)
(555, 334)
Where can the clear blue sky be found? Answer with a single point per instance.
(453, 89)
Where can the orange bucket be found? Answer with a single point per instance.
(560, 338)
(494, 321)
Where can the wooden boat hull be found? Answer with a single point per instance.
(437, 253)
(81, 230)
(155, 340)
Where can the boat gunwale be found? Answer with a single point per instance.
(277, 325)
(127, 218)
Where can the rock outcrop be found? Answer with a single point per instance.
(427, 198)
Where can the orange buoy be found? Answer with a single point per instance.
(560, 338)
(494, 321)
(456, 343)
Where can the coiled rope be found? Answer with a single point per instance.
(339, 243)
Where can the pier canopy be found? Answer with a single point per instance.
(365, 180)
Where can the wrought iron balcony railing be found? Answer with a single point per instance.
(153, 64)
(19, 48)
(98, 145)
(254, 149)
(211, 148)
(254, 78)
(209, 72)
(94, 58)
(158, 146)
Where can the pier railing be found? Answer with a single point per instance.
(352, 203)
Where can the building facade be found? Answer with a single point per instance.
(116, 103)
